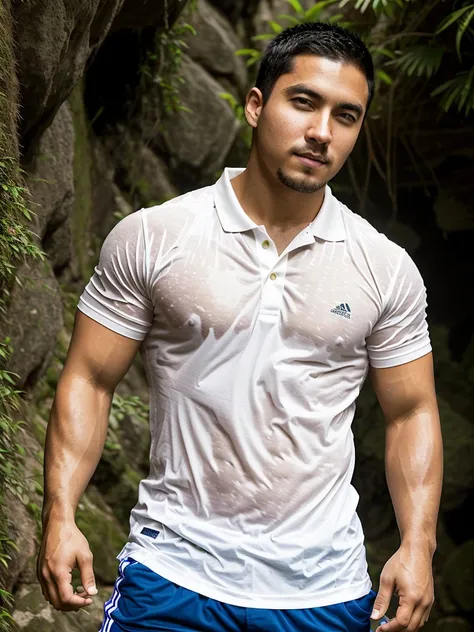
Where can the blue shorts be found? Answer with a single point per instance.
(144, 601)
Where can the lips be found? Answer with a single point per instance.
(312, 159)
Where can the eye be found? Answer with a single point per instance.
(349, 118)
(303, 101)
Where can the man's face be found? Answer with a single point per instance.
(310, 123)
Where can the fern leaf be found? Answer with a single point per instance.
(453, 17)
(376, 5)
(384, 51)
(423, 60)
(463, 26)
(458, 91)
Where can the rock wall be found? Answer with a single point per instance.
(99, 141)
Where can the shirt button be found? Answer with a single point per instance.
(273, 276)
(265, 244)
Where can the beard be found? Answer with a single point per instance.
(300, 185)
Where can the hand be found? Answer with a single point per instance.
(409, 575)
(64, 548)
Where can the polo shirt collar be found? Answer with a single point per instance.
(232, 216)
(327, 225)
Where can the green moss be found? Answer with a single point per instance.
(38, 427)
(16, 245)
(35, 512)
(82, 182)
(133, 476)
(35, 615)
(122, 495)
(105, 538)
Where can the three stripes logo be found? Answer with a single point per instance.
(342, 310)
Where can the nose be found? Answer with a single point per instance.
(320, 128)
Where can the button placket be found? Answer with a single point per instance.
(272, 267)
(272, 291)
(266, 251)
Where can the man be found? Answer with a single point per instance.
(258, 305)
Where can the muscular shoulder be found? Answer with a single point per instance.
(372, 250)
(363, 235)
(174, 219)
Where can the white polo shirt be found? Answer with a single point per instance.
(255, 361)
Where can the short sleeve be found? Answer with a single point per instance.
(401, 334)
(117, 295)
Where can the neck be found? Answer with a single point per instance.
(268, 201)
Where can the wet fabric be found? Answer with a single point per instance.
(255, 360)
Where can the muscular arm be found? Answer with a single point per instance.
(97, 360)
(414, 466)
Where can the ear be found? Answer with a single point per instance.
(253, 106)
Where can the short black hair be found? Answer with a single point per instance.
(313, 38)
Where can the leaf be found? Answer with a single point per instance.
(292, 19)
(363, 5)
(338, 18)
(296, 6)
(264, 36)
(462, 29)
(384, 51)
(227, 96)
(454, 17)
(246, 51)
(313, 13)
(387, 6)
(422, 60)
(277, 28)
(252, 61)
(383, 76)
(253, 53)
(458, 91)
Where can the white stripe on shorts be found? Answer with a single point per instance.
(112, 604)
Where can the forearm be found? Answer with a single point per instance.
(414, 465)
(74, 442)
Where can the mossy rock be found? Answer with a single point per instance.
(104, 534)
(458, 576)
(33, 613)
(38, 427)
(123, 496)
(458, 440)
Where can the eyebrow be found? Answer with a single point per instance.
(300, 88)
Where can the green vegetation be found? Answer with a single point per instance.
(162, 64)
(16, 245)
(122, 406)
(424, 55)
(82, 183)
(171, 47)
(412, 46)
(239, 113)
(11, 467)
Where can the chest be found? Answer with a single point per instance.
(315, 294)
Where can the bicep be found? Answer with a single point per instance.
(402, 390)
(98, 354)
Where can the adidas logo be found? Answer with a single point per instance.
(342, 310)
